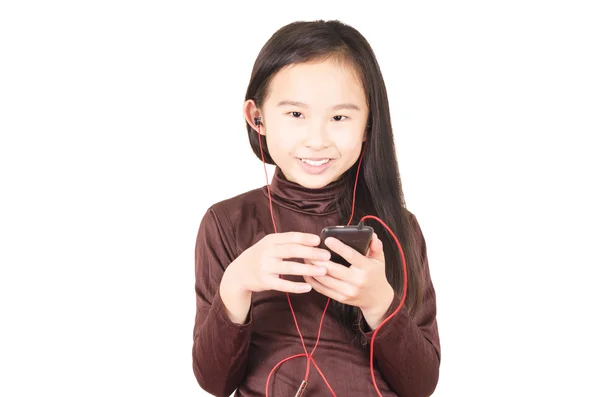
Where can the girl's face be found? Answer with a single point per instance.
(314, 119)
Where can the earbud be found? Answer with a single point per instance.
(257, 121)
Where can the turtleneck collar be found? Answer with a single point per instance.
(320, 201)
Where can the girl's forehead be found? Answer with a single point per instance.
(317, 83)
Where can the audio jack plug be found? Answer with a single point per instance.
(301, 389)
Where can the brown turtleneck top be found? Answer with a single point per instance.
(230, 357)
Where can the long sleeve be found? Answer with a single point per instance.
(220, 347)
(407, 349)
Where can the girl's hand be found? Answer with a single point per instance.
(364, 284)
(258, 267)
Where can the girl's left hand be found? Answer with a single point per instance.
(364, 284)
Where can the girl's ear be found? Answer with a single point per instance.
(253, 116)
(367, 132)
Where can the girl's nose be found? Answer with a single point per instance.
(316, 136)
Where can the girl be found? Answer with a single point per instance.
(274, 315)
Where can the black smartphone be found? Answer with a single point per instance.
(357, 237)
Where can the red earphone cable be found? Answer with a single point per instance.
(309, 357)
(356, 184)
(402, 299)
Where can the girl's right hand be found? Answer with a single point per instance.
(258, 268)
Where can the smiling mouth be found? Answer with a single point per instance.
(315, 163)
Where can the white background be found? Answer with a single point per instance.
(121, 122)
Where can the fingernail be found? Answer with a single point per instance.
(305, 288)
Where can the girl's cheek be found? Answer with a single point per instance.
(350, 144)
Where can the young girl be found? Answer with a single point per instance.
(274, 315)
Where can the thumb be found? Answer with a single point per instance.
(376, 248)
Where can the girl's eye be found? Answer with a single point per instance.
(297, 115)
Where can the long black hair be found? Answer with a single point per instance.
(379, 190)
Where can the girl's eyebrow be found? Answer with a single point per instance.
(349, 106)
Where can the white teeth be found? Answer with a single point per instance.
(315, 163)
